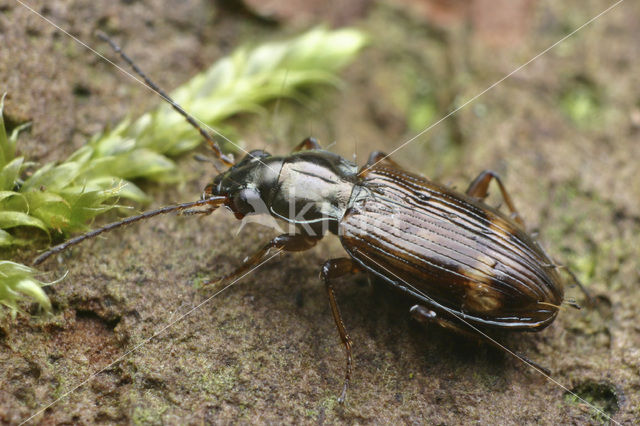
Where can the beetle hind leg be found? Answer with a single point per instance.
(425, 315)
(309, 143)
(332, 269)
(479, 189)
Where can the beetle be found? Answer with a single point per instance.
(460, 261)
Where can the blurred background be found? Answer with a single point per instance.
(562, 131)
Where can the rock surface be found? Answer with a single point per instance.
(563, 132)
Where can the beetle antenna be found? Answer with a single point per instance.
(213, 203)
(207, 137)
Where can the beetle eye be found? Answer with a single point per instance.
(247, 201)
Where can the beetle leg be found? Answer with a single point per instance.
(590, 300)
(479, 189)
(425, 315)
(285, 242)
(332, 269)
(307, 144)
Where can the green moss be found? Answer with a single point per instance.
(602, 396)
(146, 416)
(581, 103)
(421, 114)
(219, 381)
(57, 200)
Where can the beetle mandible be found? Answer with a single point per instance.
(461, 261)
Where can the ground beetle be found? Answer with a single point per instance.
(462, 262)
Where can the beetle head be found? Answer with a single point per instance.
(247, 183)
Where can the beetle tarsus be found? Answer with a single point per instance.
(533, 364)
(573, 304)
(590, 300)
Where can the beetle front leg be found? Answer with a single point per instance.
(425, 315)
(332, 269)
(479, 189)
(285, 242)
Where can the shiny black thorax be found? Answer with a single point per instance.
(310, 188)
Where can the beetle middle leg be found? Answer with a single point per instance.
(425, 315)
(332, 269)
(307, 144)
(479, 189)
(285, 242)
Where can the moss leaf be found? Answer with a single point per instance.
(12, 219)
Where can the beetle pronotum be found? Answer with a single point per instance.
(462, 262)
